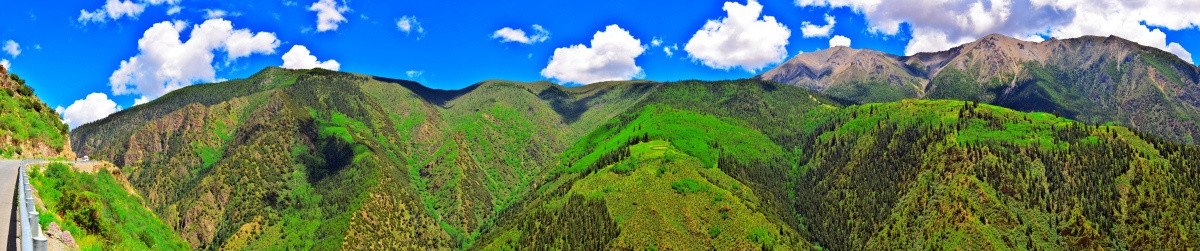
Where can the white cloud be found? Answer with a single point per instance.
(93, 107)
(5, 63)
(414, 74)
(218, 13)
(961, 21)
(157, 2)
(656, 41)
(610, 57)
(329, 14)
(809, 29)
(289, 3)
(12, 48)
(507, 34)
(165, 63)
(670, 50)
(300, 58)
(740, 40)
(839, 40)
(112, 9)
(115, 9)
(409, 25)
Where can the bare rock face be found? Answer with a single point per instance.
(824, 69)
(55, 233)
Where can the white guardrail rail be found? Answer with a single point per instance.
(27, 211)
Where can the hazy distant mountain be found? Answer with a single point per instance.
(1092, 79)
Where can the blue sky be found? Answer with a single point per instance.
(66, 53)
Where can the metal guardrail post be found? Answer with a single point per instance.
(31, 231)
(39, 242)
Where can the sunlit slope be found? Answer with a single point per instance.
(906, 174)
(95, 205)
(1096, 80)
(28, 128)
(321, 159)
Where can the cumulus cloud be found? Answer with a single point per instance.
(12, 48)
(91, 108)
(507, 34)
(409, 25)
(174, 10)
(112, 9)
(809, 29)
(329, 14)
(5, 63)
(741, 39)
(839, 41)
(610, 57)
(300, 58)
(165, 63)
(963, 21)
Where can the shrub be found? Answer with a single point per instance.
(688, 185)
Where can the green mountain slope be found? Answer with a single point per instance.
(908, 174)
(320, 159)
(98, 208)
(314, 159)
(1096, 80)
(28, 128)
(952, 174)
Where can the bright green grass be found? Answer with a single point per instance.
(99, 212)
(27, 120)
(688, 131)
(670, 196)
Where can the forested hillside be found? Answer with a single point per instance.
(321, 159)
(908, 174)
(28, 128)
(315, 159)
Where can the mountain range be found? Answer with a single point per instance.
(1094, 80)
(833, 149)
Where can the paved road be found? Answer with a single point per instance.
(8, 189)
